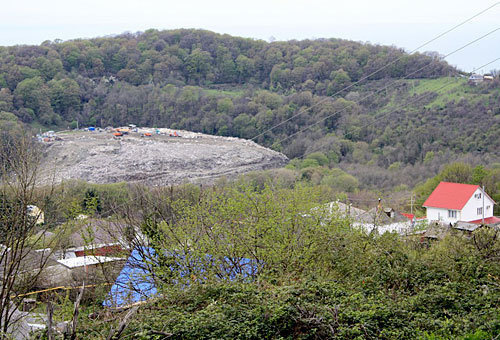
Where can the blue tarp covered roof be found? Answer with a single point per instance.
(135, 283)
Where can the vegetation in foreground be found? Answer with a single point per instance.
(307, 274)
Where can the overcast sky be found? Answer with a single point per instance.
(403, 23)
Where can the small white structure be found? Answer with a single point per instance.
(475, 79)
(36, 213)
(377, 219)
(453, 202)
(87, 261)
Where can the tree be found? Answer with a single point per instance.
(20, 265)
(6, 100)
(340, 79)
(343, 182)
(244, 67)
(457, 173)
(197, 65)
(319, 157)
(244, 126)
(479, 173)
(233, 232)
(65, 95)
(33, 93)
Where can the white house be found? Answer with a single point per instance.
(475, 79)
(453, 202)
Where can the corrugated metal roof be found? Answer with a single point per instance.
(87, 261)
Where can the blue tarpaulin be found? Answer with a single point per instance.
(135, 283)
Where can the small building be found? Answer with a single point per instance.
(94, 237)
(36, 213)
(475, 79)
(73, 271)
(454, 202)
(377, 219)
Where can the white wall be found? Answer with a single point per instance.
(469, 211)
(438, 214)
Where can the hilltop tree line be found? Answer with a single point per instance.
(58, 82)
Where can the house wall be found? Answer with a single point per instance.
(469, 211)
(438, 214)
(59, 275)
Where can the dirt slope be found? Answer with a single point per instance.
(99, 157)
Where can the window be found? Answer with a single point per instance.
(488, 207)
(480, 211)
(478, 196)
(452, 213)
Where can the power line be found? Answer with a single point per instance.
(386, 87)
(411, 102)
(115, 208)
(376, 71)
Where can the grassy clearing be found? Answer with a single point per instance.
(230, 93)
(448, 89)
(455, 89)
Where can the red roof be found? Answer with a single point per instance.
(489, 220)
(450, 195)
(408, 216)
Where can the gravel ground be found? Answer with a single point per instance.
(99, 157)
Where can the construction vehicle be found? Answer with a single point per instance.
(124, 131)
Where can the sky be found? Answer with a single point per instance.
(403, 23)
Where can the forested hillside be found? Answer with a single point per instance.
(268, 255)
(417, 108)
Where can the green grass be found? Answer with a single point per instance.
(425, 85)
(455, 89)
(229, 93)
(448, 89)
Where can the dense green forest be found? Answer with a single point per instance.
(417, 113)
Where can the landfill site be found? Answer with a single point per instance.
(151, 156)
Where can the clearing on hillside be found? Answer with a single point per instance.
(152, 156)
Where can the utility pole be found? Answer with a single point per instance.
(411, 204)
(483, 204)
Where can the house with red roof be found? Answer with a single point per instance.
(454, 202)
